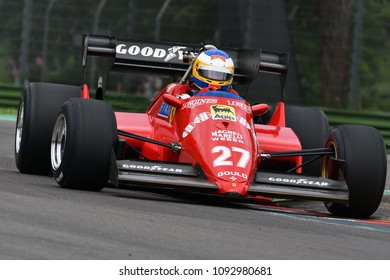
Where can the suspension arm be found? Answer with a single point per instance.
(176, 147)
(306, 152)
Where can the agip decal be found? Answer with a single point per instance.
(223, 112)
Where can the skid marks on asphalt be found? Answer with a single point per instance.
(316, 211)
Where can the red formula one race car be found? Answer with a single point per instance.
(198, 134)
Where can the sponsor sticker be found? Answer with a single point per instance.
(152, 168)
(149, 51)
(196, 102)
(171, 115)
(165, 109)
(227, 135)
(183, 96)
(240, 104)
(233, 175)
(223, 112)
(173, 52)
(170, 87)
(298, 181)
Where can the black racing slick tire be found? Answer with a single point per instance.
(363, 150)
(83, 137)
(38, 108)
(312, 127)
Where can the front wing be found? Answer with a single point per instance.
(185, 177)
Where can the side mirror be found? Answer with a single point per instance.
(172, 100)
(259, 109)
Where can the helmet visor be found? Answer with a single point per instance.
(215, 75)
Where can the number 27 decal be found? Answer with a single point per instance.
(226, 154)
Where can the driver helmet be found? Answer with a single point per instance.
(213, 69)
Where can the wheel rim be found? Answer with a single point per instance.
(326, 159)
(19, 127)
(58, 142)
(325, 165)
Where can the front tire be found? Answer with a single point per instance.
(363, 150)
(83, 137)
(38, 108)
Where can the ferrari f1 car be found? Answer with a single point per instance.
(211, 142)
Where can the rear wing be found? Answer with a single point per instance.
(139, 56)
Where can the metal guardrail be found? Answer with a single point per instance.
(9, 98)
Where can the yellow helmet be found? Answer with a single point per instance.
(213, 68)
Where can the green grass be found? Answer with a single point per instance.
(8, 111)
(9, 99)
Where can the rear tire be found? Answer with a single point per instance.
(83, 137)
(38, 108)
(363, 149)
(312, 127)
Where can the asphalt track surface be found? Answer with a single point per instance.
(39, 220)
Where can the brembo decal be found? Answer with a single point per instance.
(223, 112)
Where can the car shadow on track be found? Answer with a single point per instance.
(256, 204)
(176, 196)
(288, 206)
